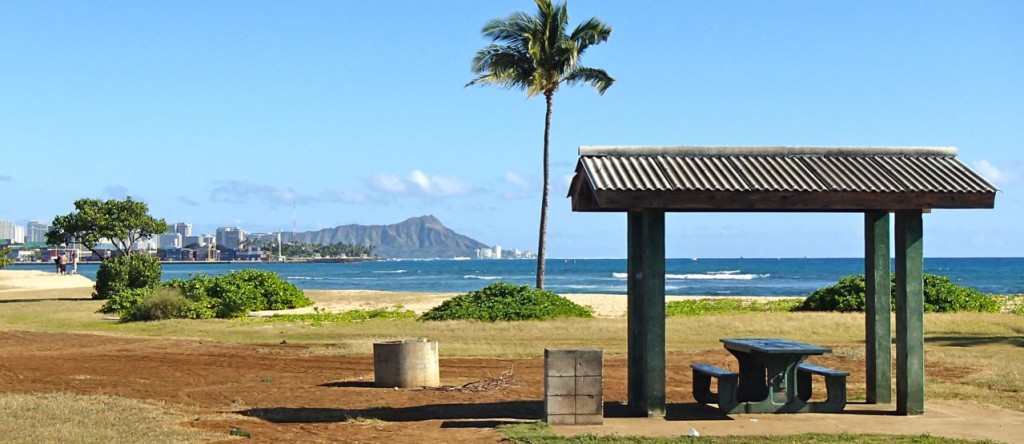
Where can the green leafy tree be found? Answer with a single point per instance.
(533, 53)
(5, 259)
(123, 222)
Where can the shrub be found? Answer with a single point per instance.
(847, 295)
(507, 302)
(163, 303)
(240, 292)
(940, 295)
(124, 301)
(119, 273)
(237, 293)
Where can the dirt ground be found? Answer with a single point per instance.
(281, 393)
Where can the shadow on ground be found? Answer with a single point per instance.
(970, 341)
(532, 410)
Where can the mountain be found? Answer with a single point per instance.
(416, 237)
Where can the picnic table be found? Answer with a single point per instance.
(772, 378)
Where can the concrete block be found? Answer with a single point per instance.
(589, 385)
(589, 420)
(589, 362)
(559, 405)
(561, 419)
(589, 405)
(559, 386)
(559, 362)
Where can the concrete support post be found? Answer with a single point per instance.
(646, 311)
(909, 313)
(877, 308)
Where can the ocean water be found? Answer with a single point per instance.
(705, 277)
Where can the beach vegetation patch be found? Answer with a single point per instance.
(128, 272)
(502, 301)
(230, 295)
(941, 295)
(718, 306)
(350, 316)
(237, 293)
(161, 304)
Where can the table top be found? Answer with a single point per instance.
(773, 346)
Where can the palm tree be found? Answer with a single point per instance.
(533, 53)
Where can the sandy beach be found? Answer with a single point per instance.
(604, 305)
(19, 280)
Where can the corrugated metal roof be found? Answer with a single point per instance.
(849, 170)
(702, 174)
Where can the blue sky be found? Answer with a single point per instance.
(253, 114)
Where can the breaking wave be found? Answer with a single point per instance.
(711, 275)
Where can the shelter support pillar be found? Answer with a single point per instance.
(877, 308)
(909, 313)
(646, 311)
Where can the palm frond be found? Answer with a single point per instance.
(590, 32)
(597, 78)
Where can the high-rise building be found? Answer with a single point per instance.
(182, 228)
(230, 237)
(35, 231)
(169, 240)
(200, 240)
(11, 232)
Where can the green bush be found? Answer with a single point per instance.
(237, 293)
(502, 301)
(940, 295)
(119, 273)
(124, 301)
(240, 292)
(163, 303)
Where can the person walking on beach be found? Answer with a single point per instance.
(56, 264)
(63, 264)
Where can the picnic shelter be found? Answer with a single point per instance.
(647, 182)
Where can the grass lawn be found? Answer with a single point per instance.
(987, 346)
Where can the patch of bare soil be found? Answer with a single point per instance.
(280, 393)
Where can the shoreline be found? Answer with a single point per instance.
(604, 305)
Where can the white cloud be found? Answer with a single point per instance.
(521, 187)
(387, 183)
(5, 178)
(238, 191)
(419, 183)
(517, 180)
(993, 173)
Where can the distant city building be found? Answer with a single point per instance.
(497, 251)
(230, 237)
(200, 240)
(12, 232)
(36, 231)
(169, 240)
(182, 228)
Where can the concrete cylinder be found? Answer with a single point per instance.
(407, 363)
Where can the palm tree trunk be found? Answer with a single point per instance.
(542, 238)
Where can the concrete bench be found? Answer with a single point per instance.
(835, 387)
(727, 384)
